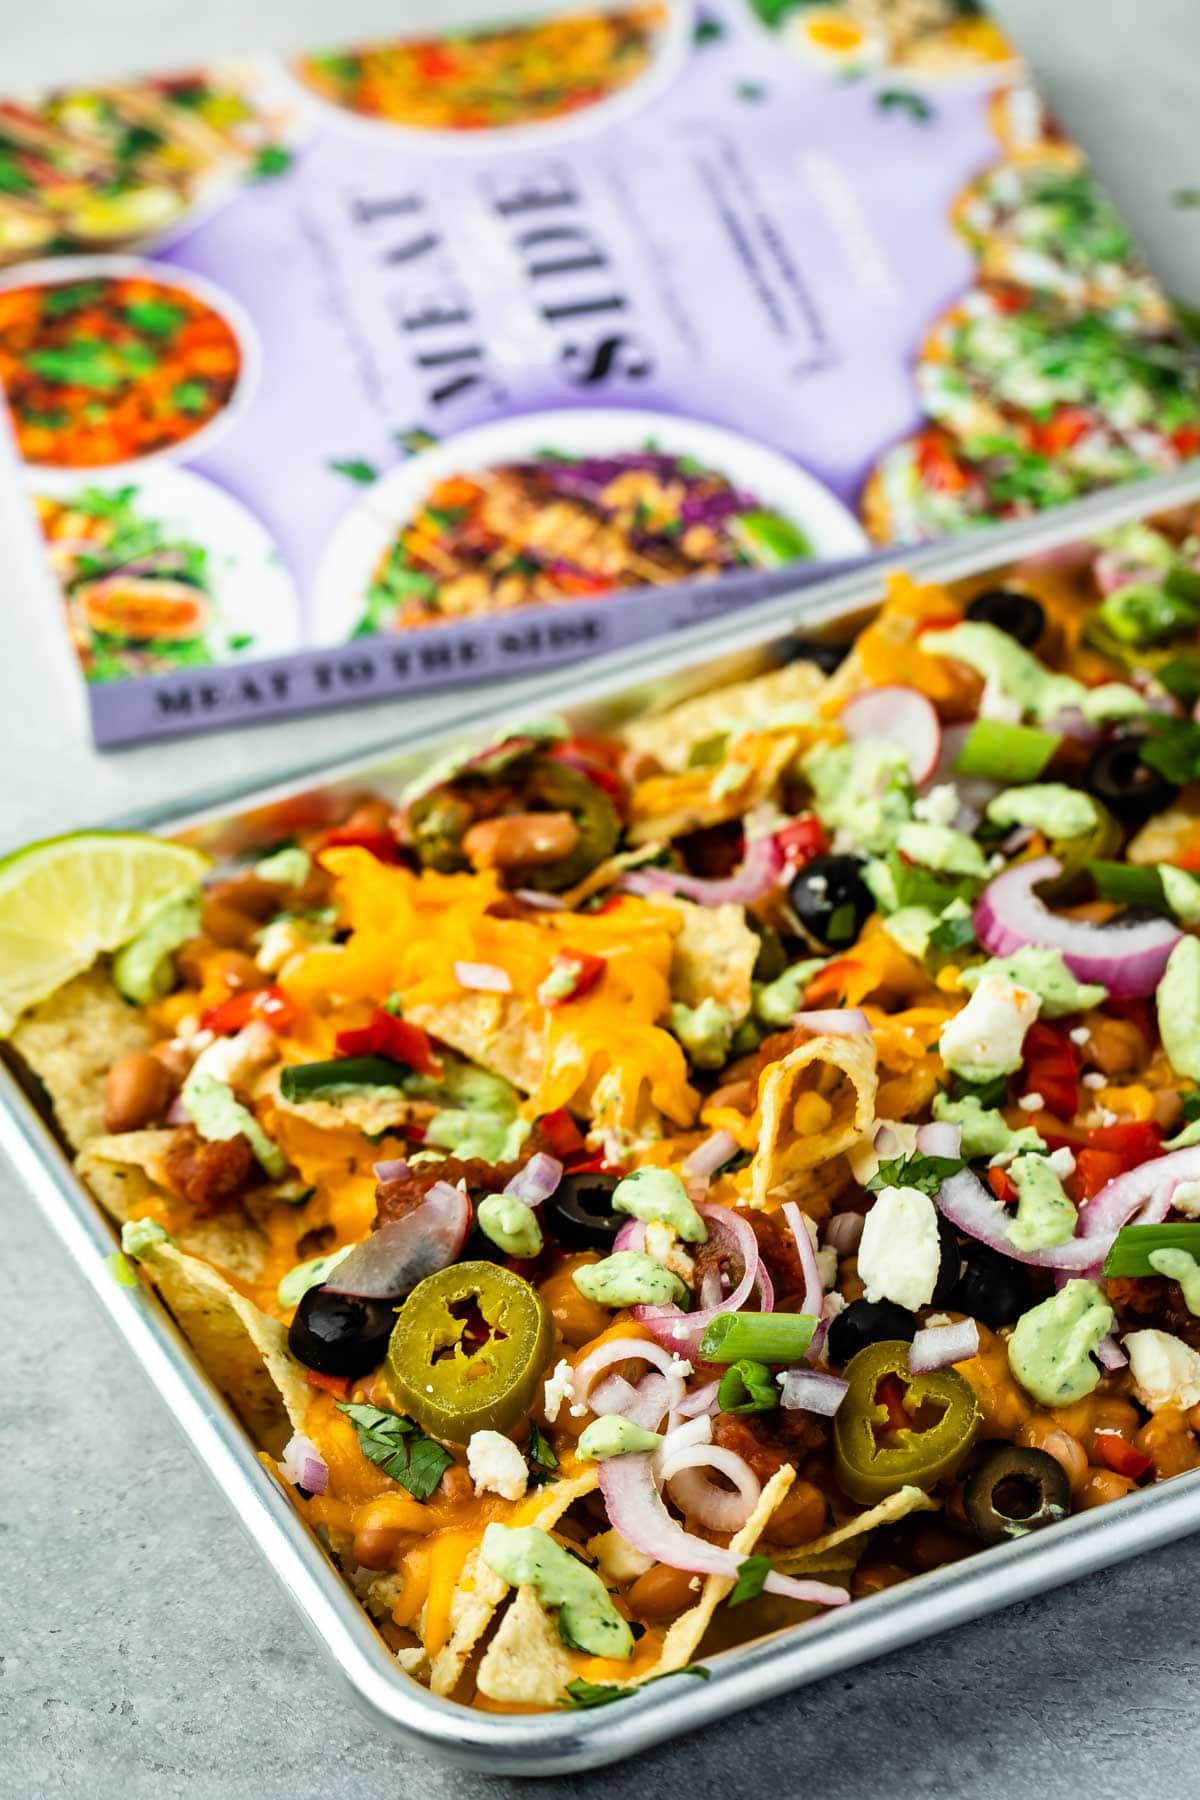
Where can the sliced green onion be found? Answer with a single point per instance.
(1129, 884)
(766, 1337)
(1002, 752)
(301, 1080)
(747, 1386)
(1131, 1250)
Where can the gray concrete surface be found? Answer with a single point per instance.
(144, 1651)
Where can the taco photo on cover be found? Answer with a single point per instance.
(936, 38)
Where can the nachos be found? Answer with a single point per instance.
(644, 1191)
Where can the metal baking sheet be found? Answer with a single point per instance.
(558, 1742)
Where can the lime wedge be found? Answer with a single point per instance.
(65, 901)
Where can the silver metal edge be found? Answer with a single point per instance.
(556, 1743)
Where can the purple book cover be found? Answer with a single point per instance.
(429, 361)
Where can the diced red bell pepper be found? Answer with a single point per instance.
(830, 982)
(1188, 858)
(1051, 1069)
(381, 845)
(387, 1035)
(1002, 1185)
(584, 969)
(1119, 1454)
(1187, 440)
(332, 1384)
(270, 1004)
(1065, 428)
(435, 63)
(609, 904)
(560, 1134)
(1113, 1150)
(938, 468)
(939, 622)
(801, 840)
(1094, 1169)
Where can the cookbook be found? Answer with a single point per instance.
(438, 359)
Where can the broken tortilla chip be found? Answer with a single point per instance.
(72, 1040)
(670, 806)
(493, 1030)
(124, 1173)
(480, 1590)
(683, 1639)
(525, 1661)
(897, 1506)
(836, 1077)
(713, 955)
(669, 736)
(242, 1349)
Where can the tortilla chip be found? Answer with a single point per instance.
(124, 1172)
(713, 956)
(785, 1152)
(242, 1349)
(526, 1660)
(492, 1030)
(372, 1112)
(888, 1512)
(480, 1590)
(669, 736)
(683, 1639)
(670, 806)
(414, 1661)
(71, 1041)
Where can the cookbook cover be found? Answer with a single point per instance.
(433, 360)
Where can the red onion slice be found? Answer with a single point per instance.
(635, 1509)
(940, 1138)
(761, 868)
(1143, 1193)
(707, 1157)
(716, 1509)
(1127, 959)
(813, 1298)
(393, 1259)
(632, 1235)
(1110, 1355)
(813, 1391)
(938, 1346)
(896, 715)
(617, 1350)
(702, 1401)
(844, 1232)
(965, 1201)
(537, 1180)
(682, 1331)
(394, 1170)
(541, 902)
(486, 977)
(835, 1021)
(303, 1464)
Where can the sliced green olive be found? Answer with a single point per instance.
(1013, 1491)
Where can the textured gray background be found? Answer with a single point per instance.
(144, 1650)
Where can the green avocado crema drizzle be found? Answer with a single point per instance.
(526, 1556)
(217, 1114)
(1050, 1350)
(657, 1194)
(629, 1278)
(1019, 675)
(1180, 1266)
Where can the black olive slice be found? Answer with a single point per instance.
(579, 1214)
(1013, 1491)
(1130, 788)
(831, 899)
(339, 1334)
(1016, 614)
(866, 1322)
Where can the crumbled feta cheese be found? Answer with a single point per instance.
(617, 1558)
(827, 1263)
(1186, 1199)
(234, 1059)
(680, 1366)
(899, 1255)
(985, 1038)
(1031, 1103)
(939, 806)
(662, 1243)
(560, 1386)
(1080, 1035)
(496, 1466)
(1165, 1370)
(1093, 1079)
(1062, 1162)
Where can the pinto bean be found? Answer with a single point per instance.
(521, 840)
(137, 1092)
(456, 1486)
(1101, 1486)
(375, 1546)
(227, 924)
(1041, 1433)
(661, 1592)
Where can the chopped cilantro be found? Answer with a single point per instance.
(1181, 677)
(603, 1693)
(540, 1457)
(1172, 746)
(905, 101)
(160, 318)
(190, 397)
(752, 1573)
(1191, 1105)
(925, 1173)
(272, 159)
(70, 297)
(954, 933)
(400, 1448)
(988, 1093)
